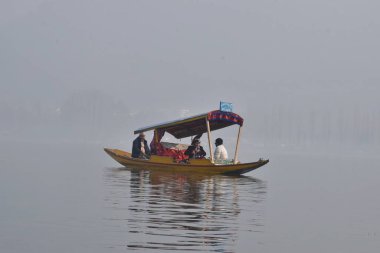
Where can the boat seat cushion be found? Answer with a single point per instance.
(175, 146)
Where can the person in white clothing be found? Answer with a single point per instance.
(220, 153)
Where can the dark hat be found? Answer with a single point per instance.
(219, 141)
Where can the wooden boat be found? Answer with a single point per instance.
(165, 156)
(194, 166)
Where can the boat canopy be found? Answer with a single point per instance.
(196, 125)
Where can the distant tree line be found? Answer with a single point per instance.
(96, 116)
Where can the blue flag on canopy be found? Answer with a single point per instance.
(225, 106)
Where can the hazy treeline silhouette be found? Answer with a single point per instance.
(309, 125)
(95, 116)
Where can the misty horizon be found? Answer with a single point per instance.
(299, 73)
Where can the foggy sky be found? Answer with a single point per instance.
(278, 61)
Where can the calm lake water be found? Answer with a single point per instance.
(74, 198)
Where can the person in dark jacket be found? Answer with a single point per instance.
(140, 148)
(195, 150)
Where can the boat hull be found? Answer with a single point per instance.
(194, 165)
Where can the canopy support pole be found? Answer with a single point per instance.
(237, 146)
(156, 135)
(209, 141)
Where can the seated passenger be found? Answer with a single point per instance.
(140, 147)
(195, 150)
(220, 153)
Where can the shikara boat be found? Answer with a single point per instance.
(170, 156)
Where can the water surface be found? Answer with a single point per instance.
(73, 198)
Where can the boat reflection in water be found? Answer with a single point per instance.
(161, 211)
